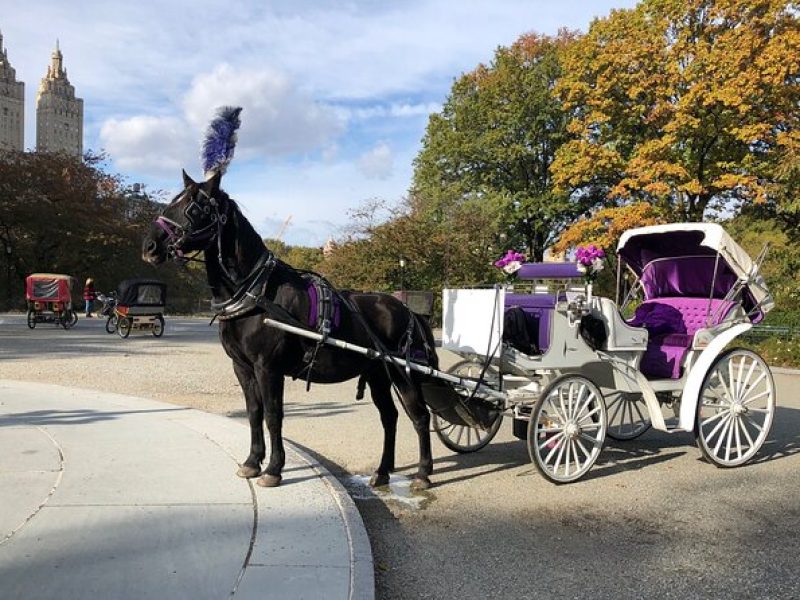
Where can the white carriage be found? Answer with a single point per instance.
(589, 372)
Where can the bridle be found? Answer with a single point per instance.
(204, 206)
(200, 206)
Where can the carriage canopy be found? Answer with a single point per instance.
(694, 260)
(142, 292)
(49, 286)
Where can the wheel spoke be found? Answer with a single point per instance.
(586, 453)
(588, 438)
(566, 458)
(747, 434)
(589, 414)
(746, 380)
(555, 440)
(620, 404)
(756, 397)
(729, 439)
(738, 438)
(711, 418)
(717, 427)
(460, 433)
(638, 410)
(736, 386)
(752, 387)
(559, 456)
(722, 435)
(753, 423)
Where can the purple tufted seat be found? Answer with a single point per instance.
(671, 324)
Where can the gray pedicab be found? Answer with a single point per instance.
(589, 373)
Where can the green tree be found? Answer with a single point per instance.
(686, 104)
(493, 144)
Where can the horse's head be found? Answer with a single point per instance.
(189, 223)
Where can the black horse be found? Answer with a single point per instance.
(249, 283)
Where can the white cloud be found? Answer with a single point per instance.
(147, 144)
(378, 162)
(278, 119)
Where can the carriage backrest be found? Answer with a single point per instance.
(680, 315)
(538, 309)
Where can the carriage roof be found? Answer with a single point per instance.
(142, 292)
(49, 286)
(692, 256)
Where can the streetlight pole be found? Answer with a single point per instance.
(8, 276)
(402, 263)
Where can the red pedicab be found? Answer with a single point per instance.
(49, 299)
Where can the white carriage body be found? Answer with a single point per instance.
(700, 291)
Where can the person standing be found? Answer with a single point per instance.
(89, 296)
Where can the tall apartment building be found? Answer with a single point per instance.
(59, 114)
(12, 105)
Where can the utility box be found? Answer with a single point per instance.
(420, 302)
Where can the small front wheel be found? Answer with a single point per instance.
(463, 438)
(158, 326)
(111, 324)
(31, 319)
(567, 428)
(735, 408)
(124, 325)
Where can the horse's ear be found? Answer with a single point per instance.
(187, 181)
(213, 183)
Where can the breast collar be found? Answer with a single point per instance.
(251, 291)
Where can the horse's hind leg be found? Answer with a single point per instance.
(271, 387)
(416, 408)
(251, 467)
(382, 398)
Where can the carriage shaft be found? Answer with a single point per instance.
(400, 362)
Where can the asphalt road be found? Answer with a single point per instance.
(650, 520)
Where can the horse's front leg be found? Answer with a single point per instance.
(380, 389)
(271, 387)
(251, 467)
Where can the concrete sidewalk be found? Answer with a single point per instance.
(109, 496)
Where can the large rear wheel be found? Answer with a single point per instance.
(124, 325)
(463, 438)
(735, 408)
(627, 415)
(567, 428)
(158, 326)
(31, 319)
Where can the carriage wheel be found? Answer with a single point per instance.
(627, 416)
(567, 428)
(124, 325)
(158, 326)
(735, 408)
(111, 324)
(463, 438)
(31, 319)
(68, 319)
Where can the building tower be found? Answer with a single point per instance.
(12, 105)
(59, 114)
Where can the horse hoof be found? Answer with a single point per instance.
(420, 483)
(269, 481)
(247, 472)
(379, 479)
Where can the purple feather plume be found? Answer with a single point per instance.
(220, 140)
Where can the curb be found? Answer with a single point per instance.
(784, 371)
(362, 574)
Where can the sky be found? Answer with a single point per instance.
(335, 95)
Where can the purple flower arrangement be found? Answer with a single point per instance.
(510, 263)
(590, 261)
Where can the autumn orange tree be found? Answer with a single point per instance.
(690, 105)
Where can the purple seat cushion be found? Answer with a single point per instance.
(672, 323)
